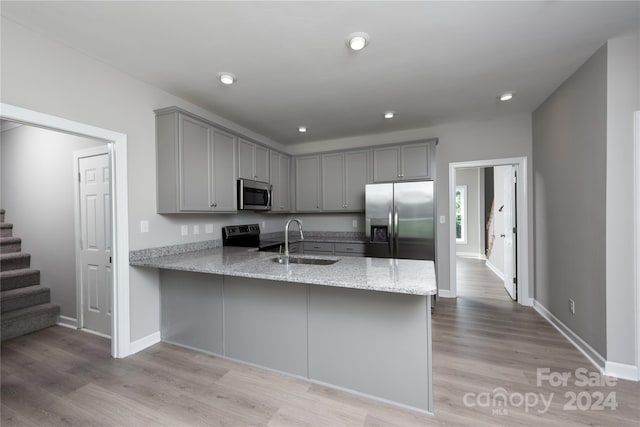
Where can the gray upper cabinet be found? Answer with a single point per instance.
(308, 183)
(344, 176)
(403, 162)
(253, 161)
(195, 164)
(280, 180)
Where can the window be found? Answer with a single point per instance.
(461, 214)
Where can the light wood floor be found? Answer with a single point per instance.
(60, 376)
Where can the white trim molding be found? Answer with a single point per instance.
(67, 322)
(522, 203)
(445, 293)
(622, 371)
(145, 342)
(589, 352)
(120, 326)
(637, 235)
(474, 255)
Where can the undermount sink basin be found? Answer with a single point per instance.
(304, 260)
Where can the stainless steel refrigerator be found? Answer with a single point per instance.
(399, 220)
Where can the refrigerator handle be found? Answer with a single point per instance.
(391, 235)
(395, 232)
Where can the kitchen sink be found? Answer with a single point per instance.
(305, 260)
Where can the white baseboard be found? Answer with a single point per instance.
(594, 357)
(67, 322)
(145, 342)
(528, 302)
(445, 293)
(470, 255)
(622, 371)
(493, 268)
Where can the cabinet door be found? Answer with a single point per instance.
(386, 164)
(285, 183)
(261, 164)
(308, 183)
(245, 159)
(356, 177)
(415, 161)
(193, 139)
(223, 172)
(333, 182)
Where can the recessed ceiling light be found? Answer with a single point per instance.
(357, 41)
(227, 78)
(302, 129)
(506, 96)
(389, 114)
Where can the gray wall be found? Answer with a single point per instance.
(623, 76)
(471, 178)
(37, 194)
(569, 164)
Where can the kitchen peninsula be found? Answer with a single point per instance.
(361, 324)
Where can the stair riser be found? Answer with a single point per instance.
(17, 303)
(15, 263)
(11, 247)
(6, 232)
(15, 327)
(22, 281)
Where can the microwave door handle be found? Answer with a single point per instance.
(268, 197)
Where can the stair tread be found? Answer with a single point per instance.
(12, 255)
(28, 311)
(9, 240)
(26, 291)
(17, 272)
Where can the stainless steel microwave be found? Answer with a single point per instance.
(254, 195)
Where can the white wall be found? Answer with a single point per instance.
(471, 178)
(492, 138)
(37, 194)
(623, 76)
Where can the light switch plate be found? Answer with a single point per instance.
(354, 223)
(184, 230)
(443, 219)
(208, 228)
(144, 226)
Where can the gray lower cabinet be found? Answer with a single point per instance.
(280, 179)
(253, 161)
(308, 183)
(196, 164)
(404, 162)
(349, 249)
(329, 248)
(318, 248)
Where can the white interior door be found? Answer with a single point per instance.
(95, 245)
(509, 235)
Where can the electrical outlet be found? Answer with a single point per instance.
(208, 228)
(354, 223)
(144, 226)
(264, 225)
(572, 306)
(196, 229)
(184, 230)
(443, 219)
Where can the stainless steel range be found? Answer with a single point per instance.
(245, 236)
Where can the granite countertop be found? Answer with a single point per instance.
(399, 276)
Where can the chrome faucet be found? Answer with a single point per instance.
(286, 237)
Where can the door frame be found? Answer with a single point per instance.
(522, 219)
(117, 145)
(637, 234)
(77, 155)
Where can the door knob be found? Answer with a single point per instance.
(502, 235)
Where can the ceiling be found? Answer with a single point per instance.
(432, 62)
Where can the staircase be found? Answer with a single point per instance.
(25, 305)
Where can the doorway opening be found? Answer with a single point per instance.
(488, 217)
(116, 144)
